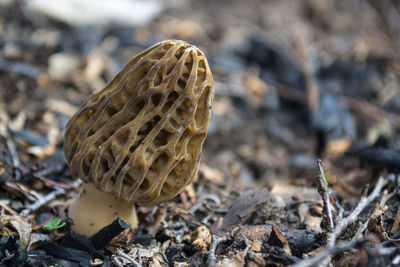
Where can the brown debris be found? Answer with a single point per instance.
(327, 217)
(201, 238)
(396, 223)
(15, 223)
(278, 239)
(254, 200)
(159, 217)
(375, 224)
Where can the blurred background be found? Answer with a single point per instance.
(294, 80)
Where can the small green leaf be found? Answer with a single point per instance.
(53, 225)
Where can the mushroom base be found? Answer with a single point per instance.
(94, 209)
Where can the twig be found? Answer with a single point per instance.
(139, 256)
(330, 251)
(212, 258)
(117, 262)
(16, 161)
(339, 210)
(40, 202)
(51, 183)
(396, 222)
(385, 198)
(14, 154)
(323, 190)
(324, 258)
(7, 208)
(382, 203)
(126, 256)
(364, 201)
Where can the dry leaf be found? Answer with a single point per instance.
(243, 207)
(23, 228)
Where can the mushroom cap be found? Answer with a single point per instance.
(140, 137)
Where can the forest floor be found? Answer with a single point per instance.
(302, 159)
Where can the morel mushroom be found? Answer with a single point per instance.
(139, 139)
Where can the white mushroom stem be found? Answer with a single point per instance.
(94, 209)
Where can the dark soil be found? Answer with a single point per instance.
(295, 81)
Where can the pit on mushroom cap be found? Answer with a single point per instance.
(139, 139)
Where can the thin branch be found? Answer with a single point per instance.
(117, 262)
(364, 201)
(395, 226)
(323, 190)
(40, 202)
(320, 257)
(126, 256)
(15, 157)
(339, 210)
(7, 208)
(385, 197)
(324, 257)
(212, 258)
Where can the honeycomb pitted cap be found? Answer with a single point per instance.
(140, 137)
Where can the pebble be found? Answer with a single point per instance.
(63, 65)
(11, 51)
